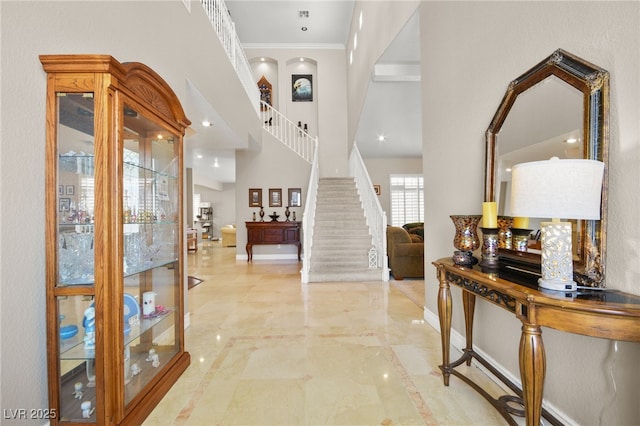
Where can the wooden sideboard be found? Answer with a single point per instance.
(607, 314)
(273, 232)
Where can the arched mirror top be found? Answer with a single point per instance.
(561, 98)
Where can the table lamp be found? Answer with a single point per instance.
(557, 189)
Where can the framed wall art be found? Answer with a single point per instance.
(70, 190)
(275, 197)
(376, 188)
(64, 204)
(295, 197)
(302, 88)
(255, 197)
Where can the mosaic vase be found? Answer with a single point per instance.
(466, 238)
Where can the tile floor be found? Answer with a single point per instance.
(268, 350)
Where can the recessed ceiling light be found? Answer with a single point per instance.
(508, 169)
(199, 155)
(382, 138)
(304, 28)
(206, 123)
(571, 140)
(159, 136)
(301, 59)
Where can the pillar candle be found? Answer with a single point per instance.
(490, 215)
(521, 222)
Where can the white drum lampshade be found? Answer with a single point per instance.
(557, 189)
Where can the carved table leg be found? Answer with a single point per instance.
(444, 314)
(469, 304)
(249, 248)
(532, 372)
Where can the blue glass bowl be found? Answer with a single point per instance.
(68, 331)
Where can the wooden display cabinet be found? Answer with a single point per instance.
(114, 239)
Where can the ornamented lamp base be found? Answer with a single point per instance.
(557, 258)
(557, 285)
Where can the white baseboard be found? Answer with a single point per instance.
(458, 342)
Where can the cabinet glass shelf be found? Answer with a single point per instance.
(73, 349)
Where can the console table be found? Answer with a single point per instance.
(606, 314)
(273, 232)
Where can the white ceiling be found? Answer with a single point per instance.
(392, 108)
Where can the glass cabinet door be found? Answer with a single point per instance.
(151, 243)
(75, 182)
(75, 255)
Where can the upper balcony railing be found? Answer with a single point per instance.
(225, 28)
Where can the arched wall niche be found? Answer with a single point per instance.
(267, 68)
(302, 110)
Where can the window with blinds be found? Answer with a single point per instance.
(407, 199)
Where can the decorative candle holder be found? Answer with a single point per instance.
(505, 236)
(466, 239)
(520, 239)
(489, 248)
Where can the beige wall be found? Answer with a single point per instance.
(470, 51)
(381, 23)
(275, 166)
(381, 168)
(329, 100)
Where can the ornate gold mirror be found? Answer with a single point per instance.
(561, 99)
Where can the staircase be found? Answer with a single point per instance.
(341, 238)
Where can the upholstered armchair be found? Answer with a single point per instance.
(406, 253)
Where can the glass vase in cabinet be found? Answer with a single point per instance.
(114, 239)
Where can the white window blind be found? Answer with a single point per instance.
(407, 199)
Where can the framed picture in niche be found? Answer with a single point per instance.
(302, 88)
(295, 197)
(70, 190)
(255, 197)
(275, 197)
(60, 189)
(64, 204)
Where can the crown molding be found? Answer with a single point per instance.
(298, 46)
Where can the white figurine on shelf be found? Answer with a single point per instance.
(135, 369)
(152, 352)
(89, 323)
(77, 390)
(87, 411)
(155, 360)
